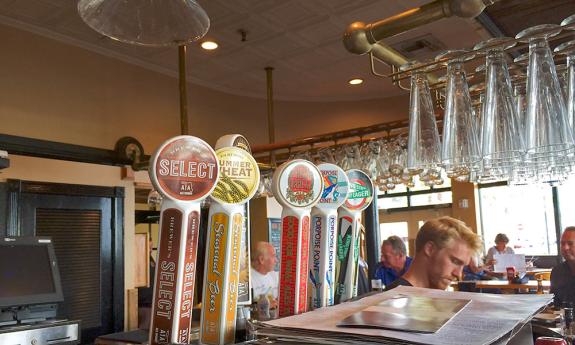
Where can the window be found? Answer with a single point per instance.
(420, 198)
(400, 188)
(419, 195)
(524, 213)
(392, 202)
(566, 198)
(399, 229)
(431, 199)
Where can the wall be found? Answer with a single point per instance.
(59, 92)
(467, 213)
(53, 91)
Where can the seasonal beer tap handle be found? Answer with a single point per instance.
(239, 180)
(297, 185)
(185, 171)
(322, 254)
(358, 199)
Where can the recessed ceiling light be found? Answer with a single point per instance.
(355, 81)
(209, 45)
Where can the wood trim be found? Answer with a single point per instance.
(118, 260)
(38, 187)
(132, 309)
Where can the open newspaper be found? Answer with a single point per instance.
(407, 313)
(485, 319)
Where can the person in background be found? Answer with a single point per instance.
(501, 241)
(264, 280)
(146, 294)
(563, 275)
(475, 270)
(394, 260)
(442, 247)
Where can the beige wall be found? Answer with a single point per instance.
(464, 204)
(54, 91)
(59, 92)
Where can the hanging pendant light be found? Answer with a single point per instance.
(146, 22)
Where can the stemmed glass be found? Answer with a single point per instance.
(568, 49)
(423, 145)
(460, 153)
(548, 135)
(502, 144)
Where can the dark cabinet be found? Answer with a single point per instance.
(86, 226)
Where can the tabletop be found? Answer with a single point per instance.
(506, 285)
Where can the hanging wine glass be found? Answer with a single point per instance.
(569, 23)
(568, 49)
(327, 155)
(346, 158)
(518, 82)
(502, 144)
(397, 158)
(478, 90)
(341, 157)
(423, 145)
(547, 131)
(370, 155)
(522, 60)
(146, 22)
(460, 149)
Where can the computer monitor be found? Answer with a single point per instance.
(29, 272)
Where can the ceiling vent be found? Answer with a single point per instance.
(420, 48)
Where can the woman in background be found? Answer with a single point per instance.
(501, 241)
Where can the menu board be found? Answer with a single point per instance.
(275, 235)
(244, 282)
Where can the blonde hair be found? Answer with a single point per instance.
(442, 230)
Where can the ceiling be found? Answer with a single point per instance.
(301, 39)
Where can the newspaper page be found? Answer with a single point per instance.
(484, 320)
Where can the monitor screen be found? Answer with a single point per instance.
(28, 272)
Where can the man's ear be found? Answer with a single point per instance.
(429, 249)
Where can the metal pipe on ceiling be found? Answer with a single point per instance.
(361, 38)
(184, 129)
(270, 107)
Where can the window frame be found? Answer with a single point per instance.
(556, 213)
(410, 193)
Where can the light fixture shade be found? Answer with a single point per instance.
(423, 146)
(146, 22)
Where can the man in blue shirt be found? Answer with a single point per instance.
(394, 260)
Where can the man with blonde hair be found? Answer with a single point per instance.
(442, 247)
